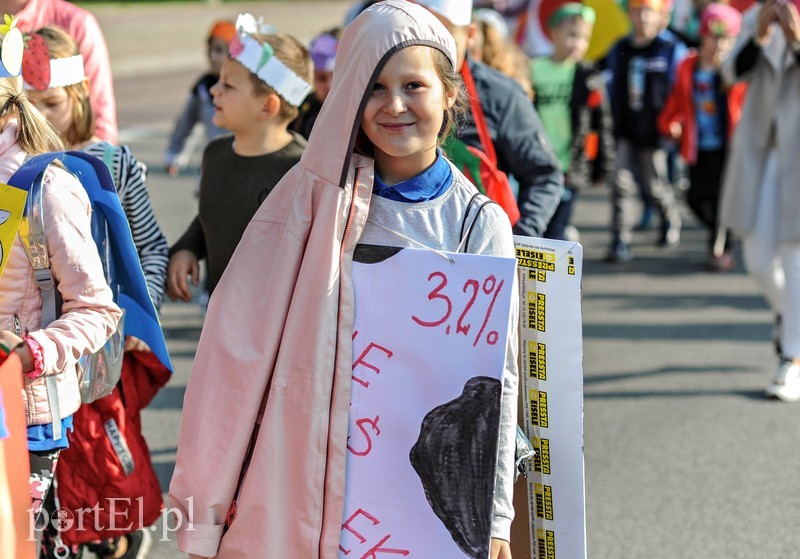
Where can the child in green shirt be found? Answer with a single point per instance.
(570, 100)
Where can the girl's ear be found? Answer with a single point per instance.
(450, 99)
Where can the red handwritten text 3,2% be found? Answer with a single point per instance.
(473, 288)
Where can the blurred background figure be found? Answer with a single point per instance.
(701, 114)
(642, 66)
(83, 27)
(323, 56)
(761, 195)
(199, 108)
(492, 46)
(570, 99)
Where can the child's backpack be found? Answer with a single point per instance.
(480, 165)
(99, 372)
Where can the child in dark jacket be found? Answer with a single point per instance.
(701, 115)
(199, 108)
(574, 111)
(642, 68)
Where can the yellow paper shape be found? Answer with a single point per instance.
(12, 206)
(612, 24)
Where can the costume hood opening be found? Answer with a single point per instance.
(366, 44)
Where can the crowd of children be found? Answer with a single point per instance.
(313, 150)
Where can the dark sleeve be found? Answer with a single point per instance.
(747, 58)
(603, 168)
(524, 152)
(193, 240)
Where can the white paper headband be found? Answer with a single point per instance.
(66, 71)
(261, 60)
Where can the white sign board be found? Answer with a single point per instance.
(429, 346)
(551, 382)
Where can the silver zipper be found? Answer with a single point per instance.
(17, 328)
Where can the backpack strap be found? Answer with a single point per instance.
(466, 230)
(34, 238)
(487, 146)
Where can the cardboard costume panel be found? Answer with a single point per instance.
(429, 349)
(549, 503)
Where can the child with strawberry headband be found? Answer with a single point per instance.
(54, 76)
(89, 316)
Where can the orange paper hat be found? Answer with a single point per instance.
(224, 30)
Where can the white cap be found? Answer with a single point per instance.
(457, 12)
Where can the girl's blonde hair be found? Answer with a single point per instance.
(62, 45)
(34, 133)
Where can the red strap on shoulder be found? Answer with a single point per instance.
(487, 145)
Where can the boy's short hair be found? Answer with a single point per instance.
(295, 56)
(569, 11)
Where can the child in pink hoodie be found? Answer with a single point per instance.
(89, 315)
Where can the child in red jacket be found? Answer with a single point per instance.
(701, 114)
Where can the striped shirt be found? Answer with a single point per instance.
(129, 178)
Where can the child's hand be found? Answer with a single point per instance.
(675, 130)
(173, 170)
(500, 549)
(133, 343)
(183, 263)
(15, 343)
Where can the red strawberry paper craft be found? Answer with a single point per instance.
(36, 63)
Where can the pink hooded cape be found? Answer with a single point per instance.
(276, 347)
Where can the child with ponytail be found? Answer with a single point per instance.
(63, 96)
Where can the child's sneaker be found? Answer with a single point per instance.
(786, 384)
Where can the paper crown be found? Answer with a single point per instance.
(11, 48)
(41, 72)
(260, 59)
(457, 12)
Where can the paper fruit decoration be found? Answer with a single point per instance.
(36, 63)
(11, 46)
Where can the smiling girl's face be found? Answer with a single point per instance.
(404, 114)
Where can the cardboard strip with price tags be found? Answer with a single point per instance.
(550, 518)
